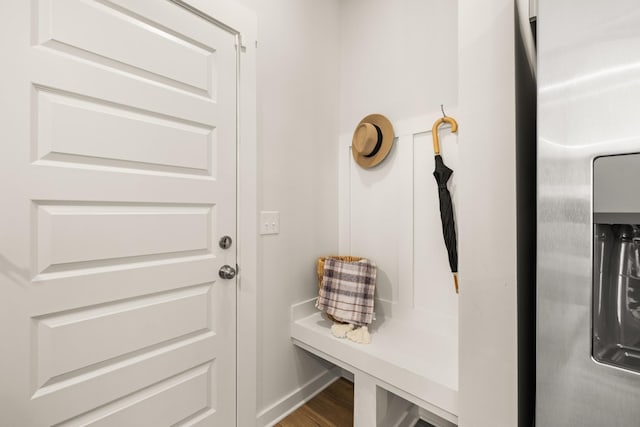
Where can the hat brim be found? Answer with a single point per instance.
(387, 141)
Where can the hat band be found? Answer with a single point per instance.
(378, 143)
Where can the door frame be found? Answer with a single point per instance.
(242, 22)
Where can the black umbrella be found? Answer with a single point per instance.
(442, 174)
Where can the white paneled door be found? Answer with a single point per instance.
(117, 181)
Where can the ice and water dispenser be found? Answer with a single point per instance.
(616, 261)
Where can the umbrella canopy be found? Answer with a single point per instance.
(442, 173)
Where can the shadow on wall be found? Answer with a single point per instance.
(526, 167)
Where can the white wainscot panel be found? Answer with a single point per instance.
(392, 216)
(434, 289)
(380, 218)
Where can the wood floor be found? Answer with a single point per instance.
(333, 407)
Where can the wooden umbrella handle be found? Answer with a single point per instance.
(434, 131)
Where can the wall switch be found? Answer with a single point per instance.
(269, 222)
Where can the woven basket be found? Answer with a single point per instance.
(320, 272)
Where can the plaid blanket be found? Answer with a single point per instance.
(347, 290)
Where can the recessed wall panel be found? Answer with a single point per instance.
(69, 342)
(68, 234)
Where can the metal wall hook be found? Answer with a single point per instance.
(442, 108)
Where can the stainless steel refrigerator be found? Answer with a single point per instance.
(588, 195)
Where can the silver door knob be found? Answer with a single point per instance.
(227, 272)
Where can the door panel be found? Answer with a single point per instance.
(69, 25)
(70, 342)
(79, 130)
(80, 235)
(117, 174)
(165, 403)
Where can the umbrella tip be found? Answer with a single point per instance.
(455, 281)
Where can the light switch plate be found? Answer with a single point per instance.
(269, 222)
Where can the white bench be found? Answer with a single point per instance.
(413, 355)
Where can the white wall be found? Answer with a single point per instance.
(298, 95)
(399, 59)
(403, 59)
(487, 181)
(322, 66)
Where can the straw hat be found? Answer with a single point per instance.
(372, 140)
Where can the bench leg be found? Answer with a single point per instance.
(365, 401)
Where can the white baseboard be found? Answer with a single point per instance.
(409, 420)
(297, 398)
(412, 414)
(395, 411)
(303, 309)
